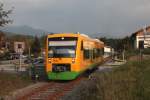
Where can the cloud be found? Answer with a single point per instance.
(92, 16)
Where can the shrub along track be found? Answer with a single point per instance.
(51, 91)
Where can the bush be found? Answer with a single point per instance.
(131, 81)
(130, 53)
(5, 56)
(146, 51)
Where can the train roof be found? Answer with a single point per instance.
(75, 35)
(63, 34)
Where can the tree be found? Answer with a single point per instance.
(43, 41)
(4, 18)
(36, 47)
(118, 44)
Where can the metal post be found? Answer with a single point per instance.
(29, 51)
(41, 52)
(140, 54)
(123, 55)
(20, 61)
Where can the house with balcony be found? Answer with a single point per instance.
(141, 38)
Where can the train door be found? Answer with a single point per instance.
(91, 55)
(91, 46)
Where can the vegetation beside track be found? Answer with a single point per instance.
(10, 82)
(131, 81)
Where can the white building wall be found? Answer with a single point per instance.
(17, 49)
(145, 38)
(107, 51)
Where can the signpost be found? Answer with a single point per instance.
(20, 51)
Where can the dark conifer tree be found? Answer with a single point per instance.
(36, 47)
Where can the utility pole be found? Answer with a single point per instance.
(41, 52)
(20, 59)
(20, 62)
(123, 53)
(29, 52)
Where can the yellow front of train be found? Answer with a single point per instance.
(62, 56)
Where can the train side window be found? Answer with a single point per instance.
(94, 53)
(99, 53)
(102, 50)
(91, 56)
(81, 45)
(86, 54)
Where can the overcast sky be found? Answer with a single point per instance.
(92, 16)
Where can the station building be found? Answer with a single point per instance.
(19, 47)
(141, 38)
(11, 45)
(108, 51)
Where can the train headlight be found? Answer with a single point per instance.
(73, 60)
(49, 60)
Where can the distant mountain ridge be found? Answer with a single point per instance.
(98, 35)
(27, 30)
(24, 30)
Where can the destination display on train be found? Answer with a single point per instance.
(62, 43)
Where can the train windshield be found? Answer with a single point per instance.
(63, 47)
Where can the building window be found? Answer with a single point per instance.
(141, 44)
(3, 44)
(19, 46)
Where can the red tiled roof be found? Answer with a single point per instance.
(141, 30)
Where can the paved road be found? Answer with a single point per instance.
(109, 65)
(11, 68)
(12, 65)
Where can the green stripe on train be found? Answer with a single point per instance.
(62, 75)
(69, 75)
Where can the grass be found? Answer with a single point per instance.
(131, 81)
(10, 82)
(130, 53)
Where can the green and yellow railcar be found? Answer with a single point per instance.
(69, 54)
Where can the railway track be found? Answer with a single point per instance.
(51, 91)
